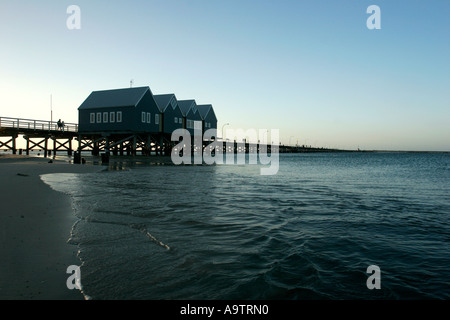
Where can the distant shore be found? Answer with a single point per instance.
(35, 225)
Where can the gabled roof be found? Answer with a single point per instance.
(165, 100)
(186, 105)
(203, 109)
(127, 97)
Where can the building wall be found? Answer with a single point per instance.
(150, 121)
(190, 120)
(118, 119)
(210, 122)
(139, 118)
(169, 119)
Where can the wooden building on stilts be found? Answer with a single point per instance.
(119, 121)
(125, 121)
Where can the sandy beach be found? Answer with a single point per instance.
(35, 224)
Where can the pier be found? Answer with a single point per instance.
(47, 136)
(38, 134)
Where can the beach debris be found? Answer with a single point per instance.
(23, 175)
(144, 230)
(151, 237)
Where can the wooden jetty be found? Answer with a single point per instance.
(39, 135)
(128, 121)
(48, 137)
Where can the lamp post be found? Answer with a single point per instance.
(226, 124)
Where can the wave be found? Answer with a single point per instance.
(310, 232)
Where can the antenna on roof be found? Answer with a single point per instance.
(131, 83)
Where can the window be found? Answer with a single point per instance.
(105, 117)
(143, 117)
(92, 118)
(112, 117)
(149, 117)
(119, 116)
(175, 119)
(180, 120)
(99, 117)
(156, 118)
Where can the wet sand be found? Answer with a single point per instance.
(35, 225)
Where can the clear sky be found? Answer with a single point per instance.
(310, 68)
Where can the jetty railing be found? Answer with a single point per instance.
(29, 124)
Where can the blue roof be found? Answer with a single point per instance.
(163, 100)
(128, 97)
(185, 106)
(203, 109)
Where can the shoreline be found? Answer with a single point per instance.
(35, 225)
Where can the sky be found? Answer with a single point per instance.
(311, 69)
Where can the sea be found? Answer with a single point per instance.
(327, 226)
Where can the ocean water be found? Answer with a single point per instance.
(226, 232)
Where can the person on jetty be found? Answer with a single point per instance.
(60, 125)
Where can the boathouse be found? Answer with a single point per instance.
(192, 119)
(119, 111)
(172, 117)
(132, 119)
(209, 119)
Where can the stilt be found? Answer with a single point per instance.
(69, 151)
(133, 147)
(27, 151)
(14, 150)
(46, 148)
(55, 147)
(107, 144)
(95, 149)
(161, 145)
